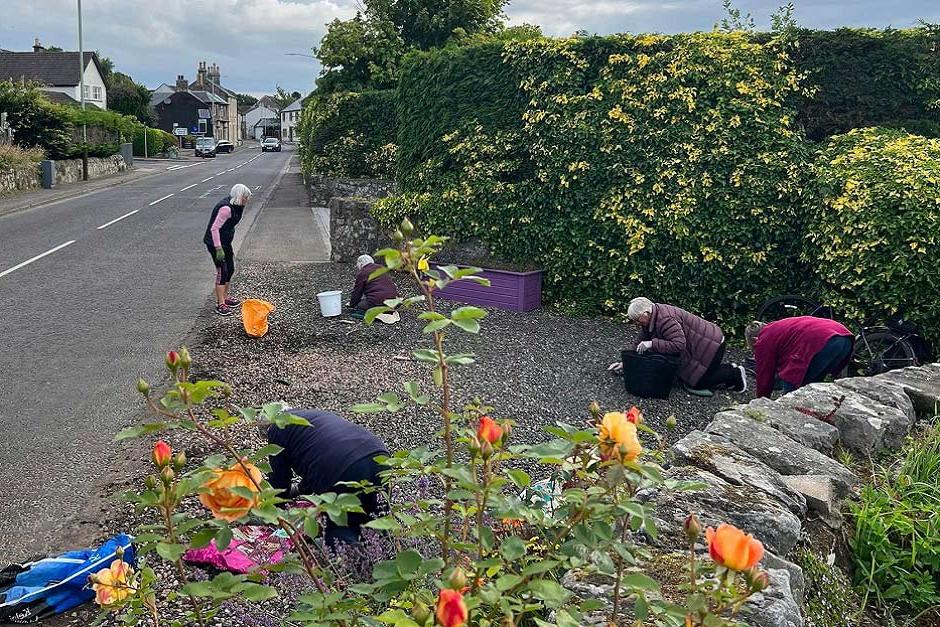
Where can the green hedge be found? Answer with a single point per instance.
(638, 165)
(867, 77)
(158, 141)
(875, 239)
(349, 134)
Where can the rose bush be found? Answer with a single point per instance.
(452, 564)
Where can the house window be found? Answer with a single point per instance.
(96, 93)
(86, 91)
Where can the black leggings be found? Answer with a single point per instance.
(364, 469)
(226, 268)
(719, 374)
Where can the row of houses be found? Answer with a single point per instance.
(202, 106)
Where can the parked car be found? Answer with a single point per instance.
(271, 143)
(225, 146)
(205, 147)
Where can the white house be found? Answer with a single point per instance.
(262, 116)
(290, 116)
(58, 73)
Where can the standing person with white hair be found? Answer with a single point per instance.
(366, 293)
(218, 240)
(699, 343)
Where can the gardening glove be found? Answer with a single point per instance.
(219, 254)
(642, 347)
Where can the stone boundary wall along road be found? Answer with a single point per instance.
(24, 178)
(768, 463)
(353, 230)
(19, 179)
(324, 188)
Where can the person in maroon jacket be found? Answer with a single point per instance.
(699, 343)
(798, 351)
(367, 294)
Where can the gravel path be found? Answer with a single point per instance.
(535, 368)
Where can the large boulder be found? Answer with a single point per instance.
(865, 425)
(885, 392)
(719, 502)
(725, 460)
(775, 606)
(922, 384)
(806, 430)
(784, 455)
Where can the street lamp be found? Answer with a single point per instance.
(81, 89)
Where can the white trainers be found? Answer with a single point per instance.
(743, 378)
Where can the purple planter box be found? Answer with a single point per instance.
(515, 291)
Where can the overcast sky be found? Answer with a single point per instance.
(154, 40)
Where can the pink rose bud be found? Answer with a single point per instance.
(172, 360)
(693, 528)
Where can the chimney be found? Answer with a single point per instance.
(37, 47)
(181, 83)
(214, 74)
(201, 74)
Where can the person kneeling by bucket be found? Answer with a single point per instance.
(371, 293)
(329, 451)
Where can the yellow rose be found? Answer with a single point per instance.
(113, 585)
(423, 264)
(618, 438)
(221, 501)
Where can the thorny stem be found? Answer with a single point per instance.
(616, 610)
(180, 570)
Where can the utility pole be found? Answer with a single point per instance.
(81, 87)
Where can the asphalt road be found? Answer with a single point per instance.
(93, 291)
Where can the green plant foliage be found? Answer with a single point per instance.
(158, 141)
(350, 134)
(14, 156)
(867, 77)
(896, 545)
(829, 600)
(875, 239)
(635, 165)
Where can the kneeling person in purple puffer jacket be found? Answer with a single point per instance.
(700, 344)
(367, 294)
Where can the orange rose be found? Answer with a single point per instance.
(225, 504)
(161, 454)
(489, 431)
(618, 438)
(635, 415)
(451, 610)
(113, 585)
(732, 548)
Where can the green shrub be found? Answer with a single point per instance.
(348, 134)
(896, 545)
(638, 165)
(875, 239)
(158, 141)
(868, 77)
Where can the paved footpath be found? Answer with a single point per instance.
(94, 289)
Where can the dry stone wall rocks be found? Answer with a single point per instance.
(70, 170)
(921, 384)
(19, 178)
(886, 393)
(322, 189)
(774, 607)
(804, 429)
(353, 230)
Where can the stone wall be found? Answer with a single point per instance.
(323, 188)
(353, 230)
(19, 179)
(70, 170)
(769, 463)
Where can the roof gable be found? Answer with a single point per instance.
(56, 69)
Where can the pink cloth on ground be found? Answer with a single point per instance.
(252, 547)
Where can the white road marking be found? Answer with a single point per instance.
(160, 199)
(126, 215)
(257, 187)
(36, 258)
(230, 170)
(189, 187)
(208, 179)
(221, 173)
(181, 167)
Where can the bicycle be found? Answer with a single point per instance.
(878, 349)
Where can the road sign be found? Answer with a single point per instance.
(180, 130)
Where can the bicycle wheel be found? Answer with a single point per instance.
(789, 306)
(880, 351)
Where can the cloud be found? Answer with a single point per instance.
(251, 40)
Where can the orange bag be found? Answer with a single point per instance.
(255, 316)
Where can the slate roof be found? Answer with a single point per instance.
(208, 97)
(297, 105)
(57, 69)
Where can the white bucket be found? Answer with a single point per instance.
(331, 303)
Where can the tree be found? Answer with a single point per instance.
(130, 98)
(246, 100)
(107, 69)
(426, 24)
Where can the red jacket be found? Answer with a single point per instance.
(376, 291)
(784, 349)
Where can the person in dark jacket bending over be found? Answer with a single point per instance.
(699, 343)
(798, 351)
(330, 450)
(366, 293)
(218, 239)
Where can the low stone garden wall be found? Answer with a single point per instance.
(353, 230)
(24, 178)
(19, 179)
(323, 188)
(768, 463)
